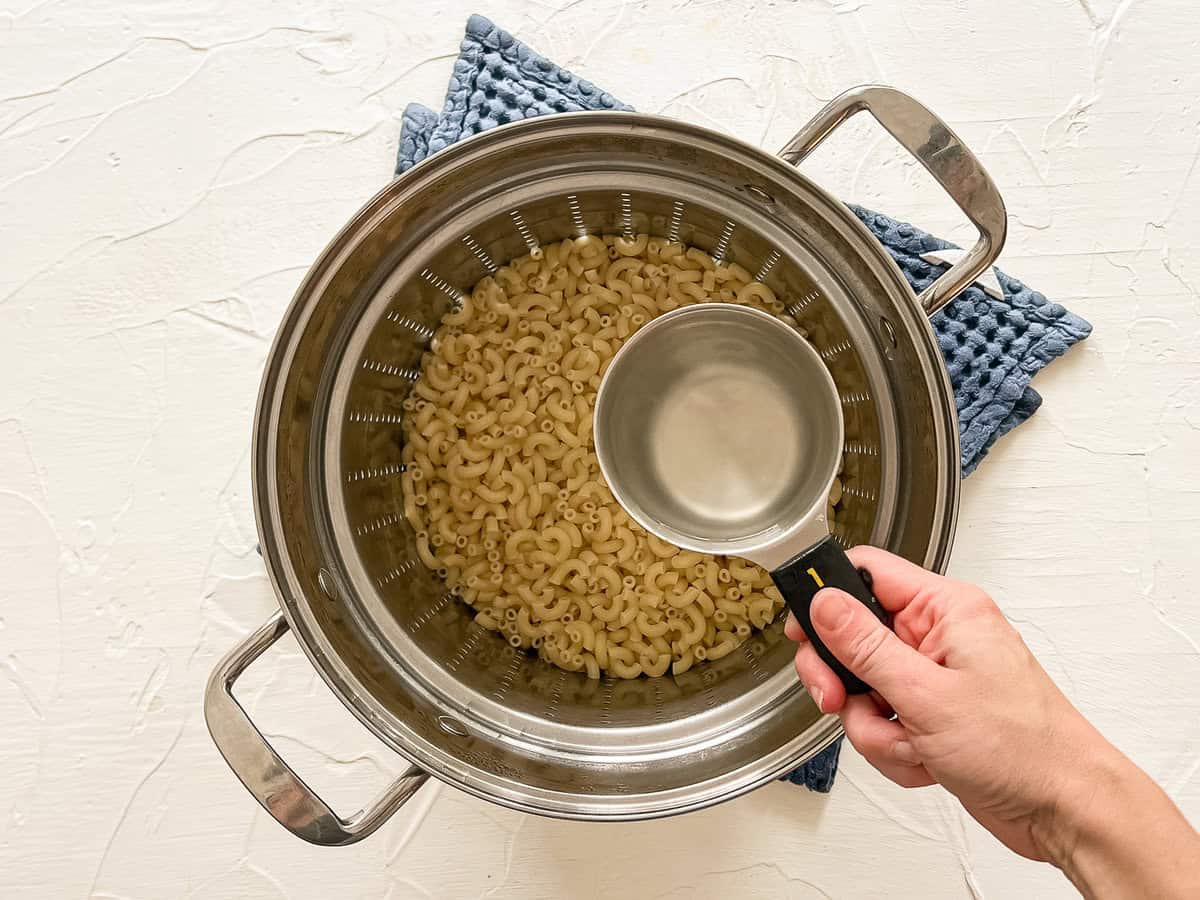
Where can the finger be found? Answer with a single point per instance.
(896, 581)
(870, 650)
(883, 743)
(876, 737)
(792, 629)
(822, 684)
(905, 776)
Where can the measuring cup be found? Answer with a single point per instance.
(719, 429)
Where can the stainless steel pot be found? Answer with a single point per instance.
(402, 654)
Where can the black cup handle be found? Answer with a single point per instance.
(825, 564)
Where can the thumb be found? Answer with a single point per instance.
(868, 648)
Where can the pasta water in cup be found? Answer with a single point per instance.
(719, 429)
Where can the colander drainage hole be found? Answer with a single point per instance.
(759, 194)
(452, 726)
(326, 584)
(888, 331)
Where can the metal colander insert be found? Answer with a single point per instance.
(411, 606)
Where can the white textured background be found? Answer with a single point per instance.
(169, 170)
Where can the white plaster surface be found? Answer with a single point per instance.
(167, 172)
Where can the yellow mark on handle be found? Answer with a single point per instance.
(816, 578)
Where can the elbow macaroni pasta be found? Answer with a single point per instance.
(502, 485)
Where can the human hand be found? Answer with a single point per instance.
(959, 700)
(974, 711)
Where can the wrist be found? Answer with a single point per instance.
(1115, 833)
(1080, 809)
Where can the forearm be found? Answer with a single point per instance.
(1116, 834)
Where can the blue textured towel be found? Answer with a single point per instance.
(992, 347)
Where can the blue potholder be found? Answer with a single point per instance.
(992, 346)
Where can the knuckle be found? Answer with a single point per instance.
(973, 597)
(982, 601)
(866, 647)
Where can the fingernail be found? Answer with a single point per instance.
(831, 609)
(904, 752)
(818, 696)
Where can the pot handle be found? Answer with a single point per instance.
(281, 792)
(940, 151)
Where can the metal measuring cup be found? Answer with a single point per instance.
(719, 429)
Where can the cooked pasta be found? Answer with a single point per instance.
(501, 482)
